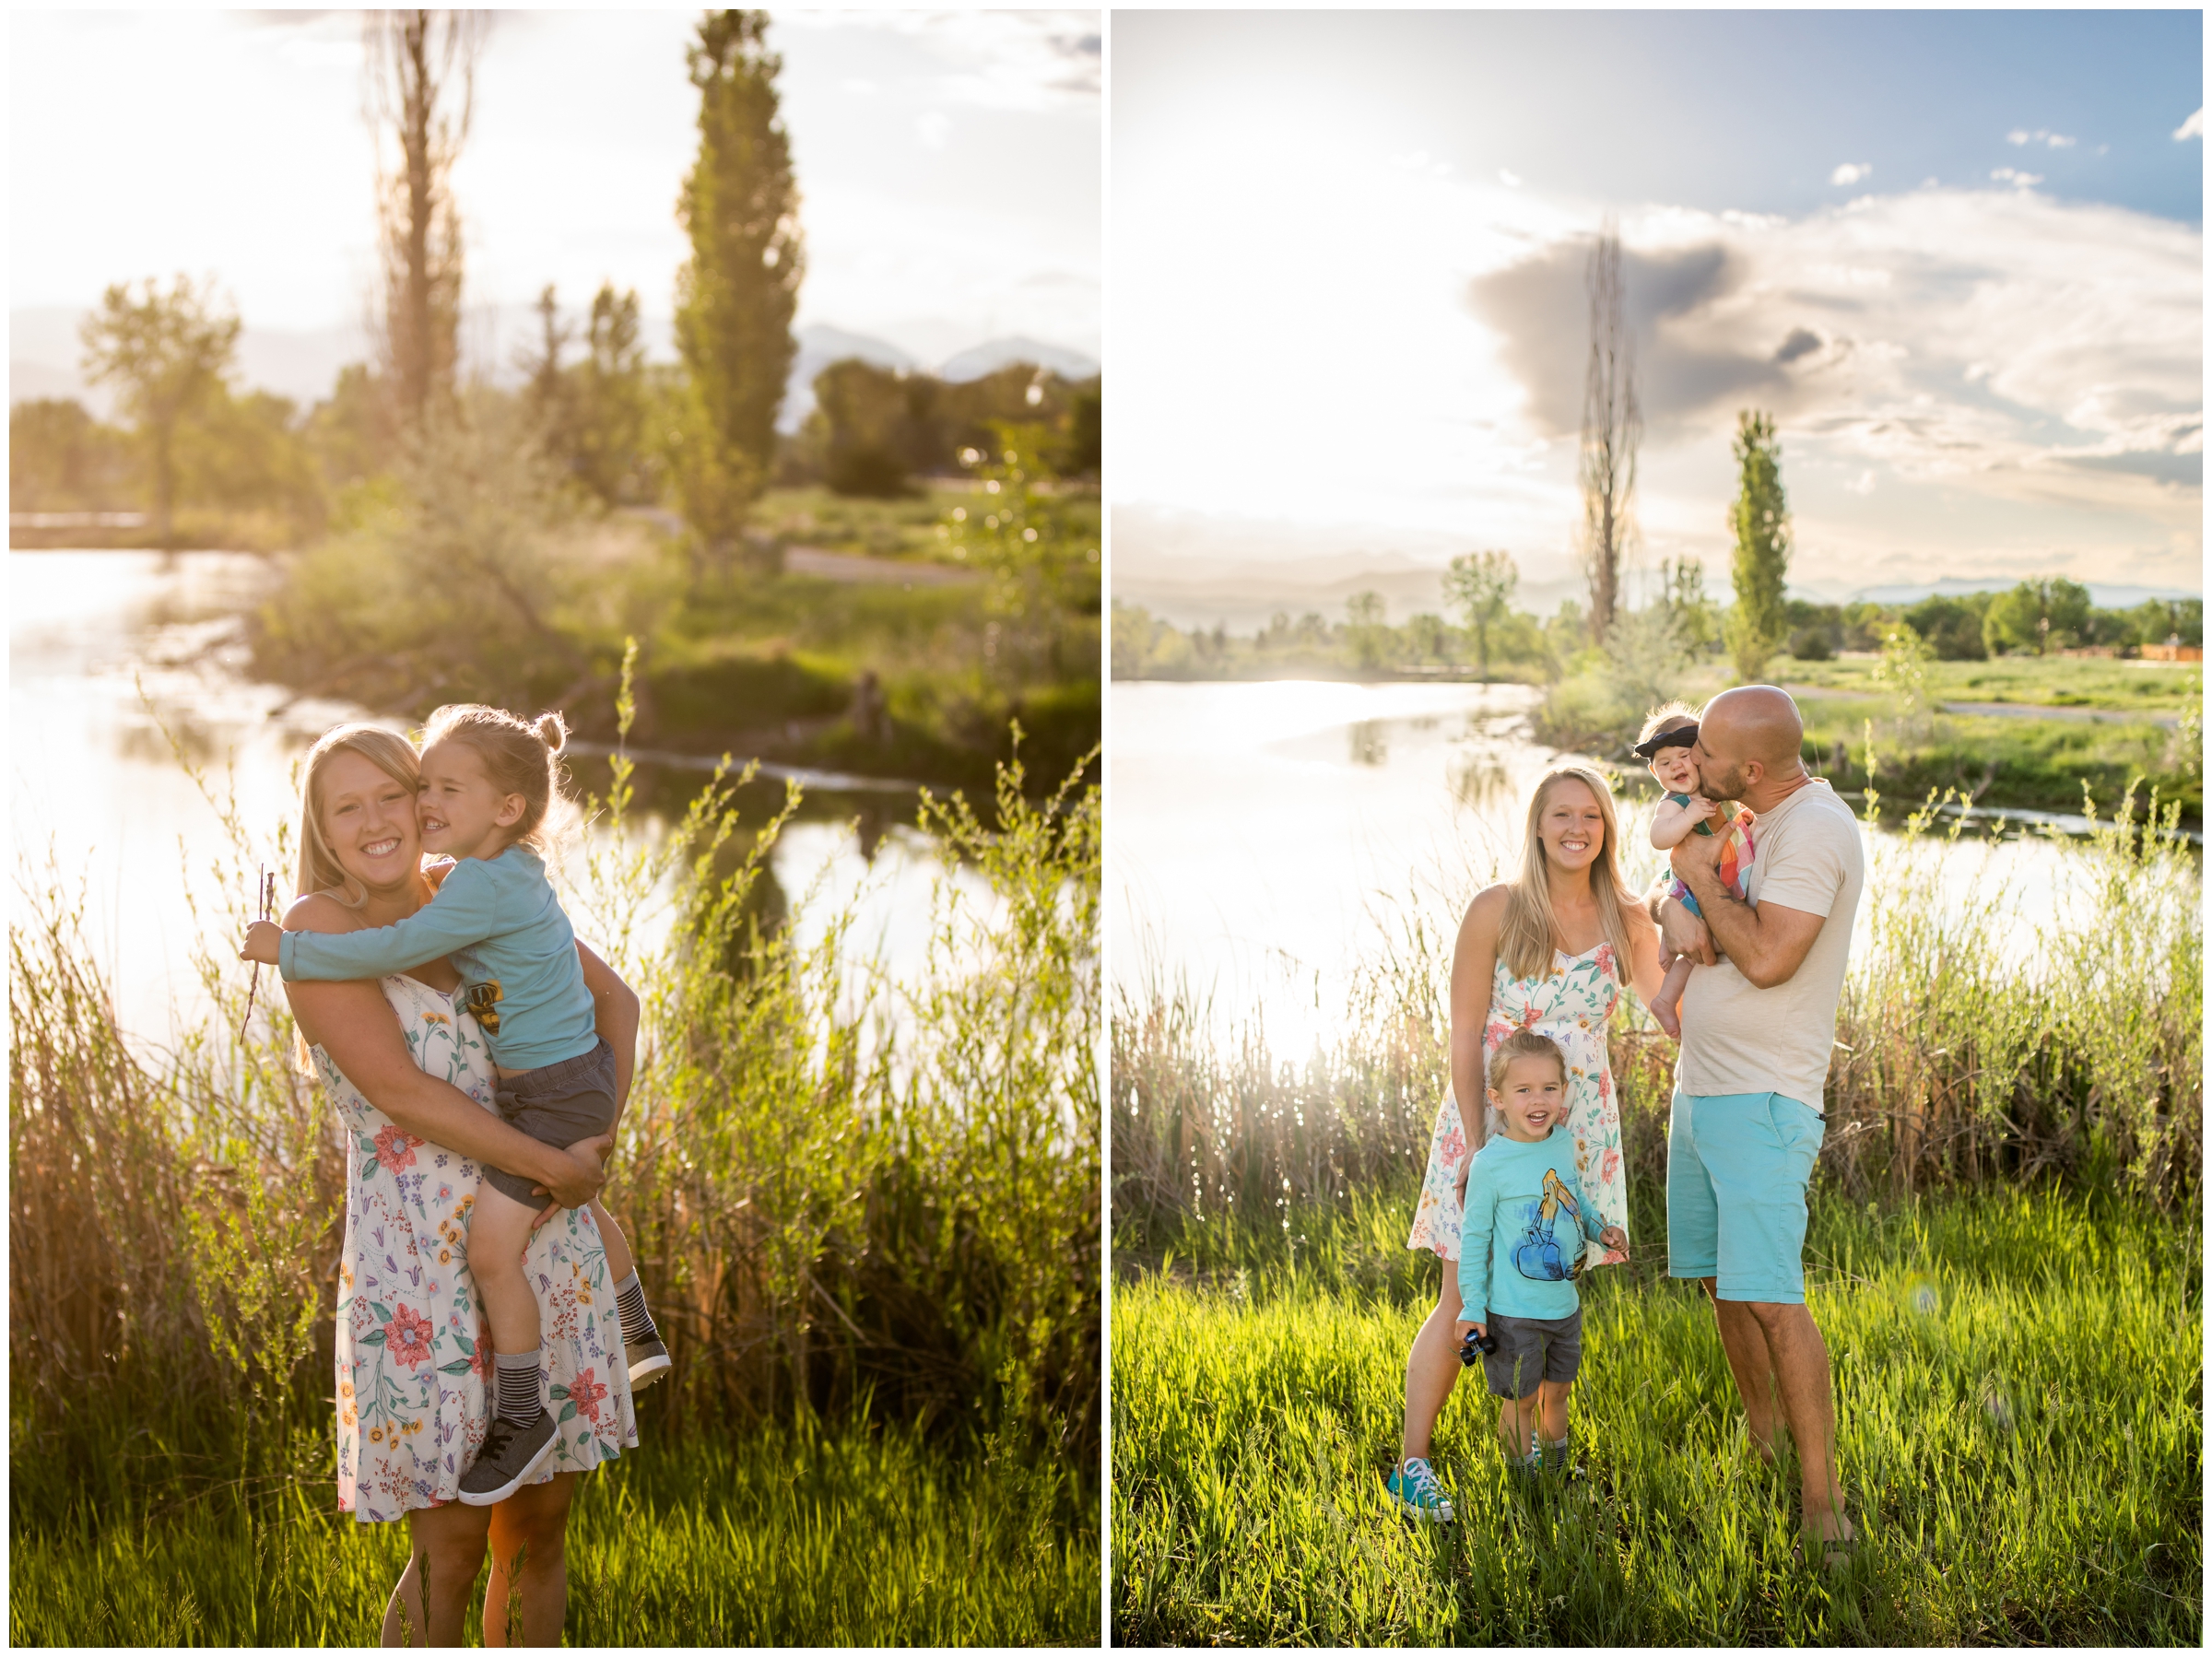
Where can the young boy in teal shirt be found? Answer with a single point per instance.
(1521, 1246)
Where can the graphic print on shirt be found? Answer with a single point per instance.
(1538, 1255)
(484, 1002)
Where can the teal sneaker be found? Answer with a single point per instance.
(1418, 1497)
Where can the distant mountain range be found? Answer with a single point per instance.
(303, 364)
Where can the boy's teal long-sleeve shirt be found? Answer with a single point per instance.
(516, 953)
(1523, 1232)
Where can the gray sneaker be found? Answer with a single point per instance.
(510, 1455)
(649, 1361)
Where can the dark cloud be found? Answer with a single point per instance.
(1801, 342)
(1541, 311)
(2188, 470)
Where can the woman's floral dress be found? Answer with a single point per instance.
(414, 1351)
(1570, 1006)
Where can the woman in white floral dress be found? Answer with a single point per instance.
(1543, 951)
(413, 1095)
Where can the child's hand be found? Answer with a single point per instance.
(1613, 1237)
(262, 940)
(1460, 1334)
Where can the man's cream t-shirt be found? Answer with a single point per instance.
(1739, 1038)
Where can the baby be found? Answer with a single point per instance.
(1669, 734)
(487, 780)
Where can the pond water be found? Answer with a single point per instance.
(1268, 838)
(108, 649)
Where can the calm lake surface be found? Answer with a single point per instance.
(106, 648)
(1266, 838)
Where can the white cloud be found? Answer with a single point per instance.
(2006, 175)
(861, 88)
(1000, 60)
(933, 127)
(1510, 178)
(1861, 485)
(2192, 128)
(2041, 136)
(1850, 172)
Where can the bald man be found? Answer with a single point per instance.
(1751, 1079)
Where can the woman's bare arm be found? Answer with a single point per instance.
(354, 1024)
(1646, 967)
(1474, 968)
(615, 1016)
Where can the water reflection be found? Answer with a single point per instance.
(121, 662)
(1266, 836)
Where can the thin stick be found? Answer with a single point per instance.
(266, 889)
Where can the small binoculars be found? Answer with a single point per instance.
(1475, 1345)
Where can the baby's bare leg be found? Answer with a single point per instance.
(1517, 1426)
(498, 1233)
(1666, 1003)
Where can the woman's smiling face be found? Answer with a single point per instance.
(369, 822)
(1572, 827)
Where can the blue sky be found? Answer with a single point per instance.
(1958, 255)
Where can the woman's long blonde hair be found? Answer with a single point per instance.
(1529, 934)
(320, 870)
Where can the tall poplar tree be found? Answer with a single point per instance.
(735, 295)
(1759, 520)
(421, 68)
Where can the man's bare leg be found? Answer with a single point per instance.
(1799, 1357)
(1746, 1343)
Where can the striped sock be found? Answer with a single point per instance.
(518, 1386)
(638, 1328)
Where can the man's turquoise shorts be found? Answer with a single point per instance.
(1736, 1168)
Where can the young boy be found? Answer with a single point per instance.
(1669, 734)
(1521, 1249)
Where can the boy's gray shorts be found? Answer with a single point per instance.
(1531, 1350)
(556, 1104)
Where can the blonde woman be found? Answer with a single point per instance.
(411, 1083)
(1551, 950)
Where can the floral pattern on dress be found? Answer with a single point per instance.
(414, 1351)
(1570, 1005)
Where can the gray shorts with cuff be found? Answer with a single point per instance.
(1531, 1350)
(556, 1104)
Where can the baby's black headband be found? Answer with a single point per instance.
(1681, 736)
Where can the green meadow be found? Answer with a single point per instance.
(2019, 1402)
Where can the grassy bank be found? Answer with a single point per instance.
(806, 1537)
(472, 577)
(2017, 1479)
(1975, 1043)
(864, 1210)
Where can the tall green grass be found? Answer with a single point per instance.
(799, 1537)
(857, 1200)
(1974, 1045)
(2019, 1413)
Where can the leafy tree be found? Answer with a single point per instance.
(169, 355)
(875, 428)
(1759, 520)
(1904, 669)
(1363, 616)
(352, 432)
(1952, 626)
(1682, 591)
(737, 293)
(608, 454)
(1083, 456)
(2038, 616)
(59, 458)
(251, 452)
(1481, 584)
